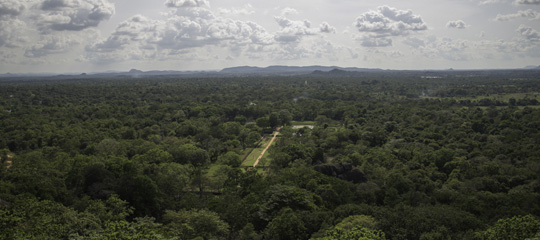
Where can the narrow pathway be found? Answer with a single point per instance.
(267, 146)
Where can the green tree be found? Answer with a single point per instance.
(230, 159)
(172, 179)
(252, 139)
(351, 222)
(140, 228)
(189, 224)
(29, 218)
(283, 196)
(142, 193)
(356, 233)
(514, 228)
(112, 209)
(263, 122)
(248, 233)
(154, 156)
(286, 226)
(285, 117)
(273, 120)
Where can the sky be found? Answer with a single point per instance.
(71, 36)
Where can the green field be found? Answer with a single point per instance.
(252, 157)
(303, 123)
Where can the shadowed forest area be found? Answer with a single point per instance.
(391, 155)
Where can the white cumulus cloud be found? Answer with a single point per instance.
(12, 33)
(289, 11)
(137, 29)
(529, 13)
(245, 10)
(187, 3)
(327, 28)
(459, 24)
(182, 31)
(386, 22)
(293, 30)
(529, 33)
(527, 1)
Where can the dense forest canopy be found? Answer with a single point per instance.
(388, 155)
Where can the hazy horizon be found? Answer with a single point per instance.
(69, 36)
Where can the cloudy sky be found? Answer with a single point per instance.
(68, 36)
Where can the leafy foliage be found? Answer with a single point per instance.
(441, 155)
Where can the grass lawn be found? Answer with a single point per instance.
(303, 122)
(251, 158)
(265, 160)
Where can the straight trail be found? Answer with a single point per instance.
(267, 146)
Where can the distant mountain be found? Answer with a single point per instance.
(7, 75)
(290, 69)
(135, 71)
(241, 69)
(532, 67)
(335, 71)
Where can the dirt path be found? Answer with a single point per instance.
(8, 162)
(267, 146)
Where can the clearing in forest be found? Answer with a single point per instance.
(267, 146)
(257, 155)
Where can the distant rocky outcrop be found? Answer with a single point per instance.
(135, 71)
(344, 171)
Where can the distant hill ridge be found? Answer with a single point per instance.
(240, 70)
(532, 67)
(291, 69)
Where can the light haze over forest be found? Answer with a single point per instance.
(100, 35)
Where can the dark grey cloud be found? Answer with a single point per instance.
(529, 13)
(387, 21)
(459, 24)
(73, 15)
(527, 1)
(529, 33)
(186, 3)
(50, 45)
(48, 5)
(11, 8)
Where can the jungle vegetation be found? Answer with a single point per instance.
(442, 155)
